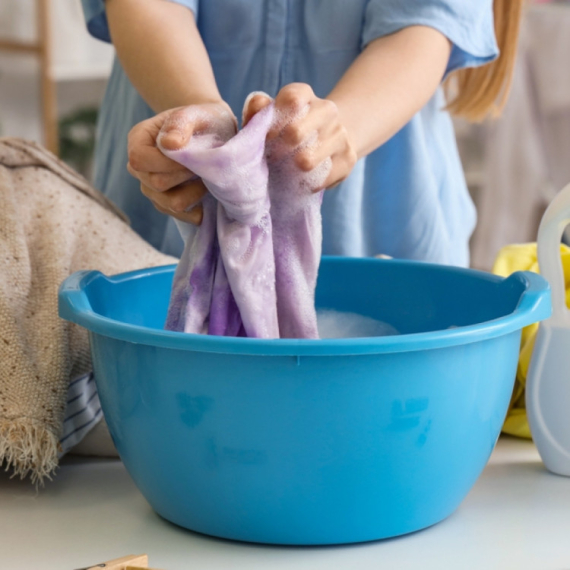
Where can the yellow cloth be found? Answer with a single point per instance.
(524, 258)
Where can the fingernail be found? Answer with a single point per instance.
(195, 216)
(189, 209)
(173, 139)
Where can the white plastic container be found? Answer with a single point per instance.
(548, 382)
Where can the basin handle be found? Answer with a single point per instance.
(534, 303)
(73, 303)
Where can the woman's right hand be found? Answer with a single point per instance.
(173, 189)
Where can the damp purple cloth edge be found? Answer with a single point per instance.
(251, 268)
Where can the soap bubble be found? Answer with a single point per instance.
(338, 324)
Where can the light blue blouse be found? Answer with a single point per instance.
(407, 199)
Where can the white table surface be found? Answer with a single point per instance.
(516, 517)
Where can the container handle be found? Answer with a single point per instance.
(72, 300)
(554, 222)
(535, 300)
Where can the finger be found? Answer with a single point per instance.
(340, 170)
(253, 105)
(291, 102)
(304, 154)
(319, 146)
(143, 154)
(162, 181)
(194, 216)
(181, 124)
(173, 204)
(321, 118)
(179, 200)
(174, 137)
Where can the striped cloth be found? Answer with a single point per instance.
(83, 411)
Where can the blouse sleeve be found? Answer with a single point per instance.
(467, 24)
(96, 18)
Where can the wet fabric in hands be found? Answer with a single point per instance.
(251, 268)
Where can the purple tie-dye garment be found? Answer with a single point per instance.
(252, 266)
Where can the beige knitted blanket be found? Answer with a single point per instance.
(52, 223)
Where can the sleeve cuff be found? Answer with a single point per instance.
(190, 4)
(470, 49)
(96, 18)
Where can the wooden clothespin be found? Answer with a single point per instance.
(131, 562)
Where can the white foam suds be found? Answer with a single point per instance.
(337, 324)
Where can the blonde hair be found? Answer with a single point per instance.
(483, 91)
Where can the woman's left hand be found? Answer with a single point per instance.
(310, 128)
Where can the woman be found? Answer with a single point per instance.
(368, 71)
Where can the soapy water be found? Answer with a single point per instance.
(338, 324)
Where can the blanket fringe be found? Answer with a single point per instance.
(28, 448)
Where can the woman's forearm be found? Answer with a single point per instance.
(162, 53)
(388, 83)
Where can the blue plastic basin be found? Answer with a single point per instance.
(311, 442)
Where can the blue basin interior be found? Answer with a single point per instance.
(413, 297)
